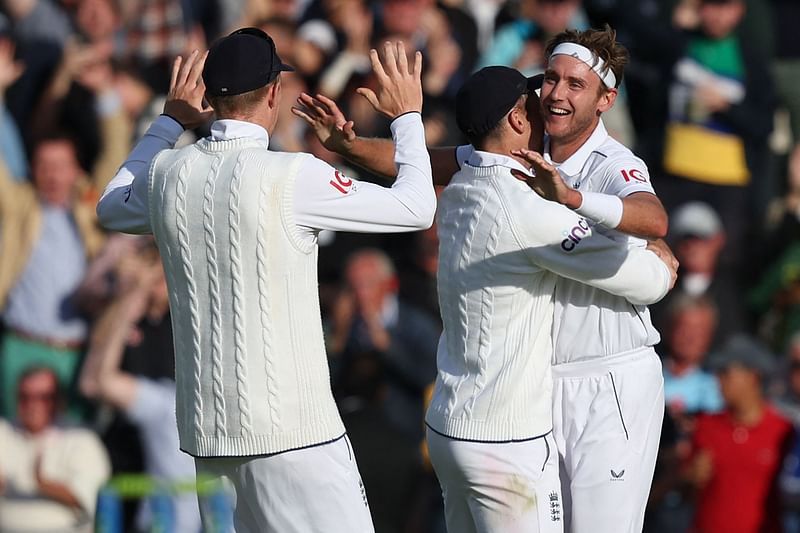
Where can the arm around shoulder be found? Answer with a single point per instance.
(560, 240)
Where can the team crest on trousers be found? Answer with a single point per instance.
(555, 507)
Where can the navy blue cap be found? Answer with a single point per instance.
(241, 62)
(488, 95)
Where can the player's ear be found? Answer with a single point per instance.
(606, 100)
(274, 93)
(517, 119)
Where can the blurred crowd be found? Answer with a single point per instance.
(710, 101)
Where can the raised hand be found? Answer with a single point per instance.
(334, 131)
(400, 87)
(186, 90)
(546, 182)
(10, 69)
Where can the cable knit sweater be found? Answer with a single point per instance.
(501, 246)
(251, 371)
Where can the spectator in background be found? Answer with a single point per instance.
(737, 454)
(49, 474)
(520, 44)
(719, 116)
(41, 29)
(786, 391)
(423, 25)
(776, 298)
(155, 33)
(688, 389)
(371, 329)
(12, 150)
(698, 236)
(384, 355)
(782, 224)
(418, 278)
(787, 400)
(786, 66)
(82, 100)
(49, 233)
(137, 324)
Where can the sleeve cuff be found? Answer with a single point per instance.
(173, 119)
(167, 127)
(404, 120)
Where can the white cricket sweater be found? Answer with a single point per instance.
(251, 370)
(500, 247)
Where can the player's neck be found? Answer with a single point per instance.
(504, 146)
(563, 148)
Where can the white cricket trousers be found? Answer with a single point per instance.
(607, 416)
(311, 490)
(498, 487)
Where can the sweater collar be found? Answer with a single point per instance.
(228, 129)
(574, 163)
(480, 159)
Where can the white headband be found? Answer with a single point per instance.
(590, 58)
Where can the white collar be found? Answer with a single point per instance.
(479, 158)
(227, 129)
(574, 163)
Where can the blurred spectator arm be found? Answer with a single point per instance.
(74, 59)
(18, 9)
(115, 129)
(11, 147)
(698, 468)
(411, 356)
(55, 490)
(89, 468)
(752, 117)
(357, 25)
(101, 377)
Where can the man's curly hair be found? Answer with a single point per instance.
(601, 42)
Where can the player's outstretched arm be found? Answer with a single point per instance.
(640, 213)
(337, 134)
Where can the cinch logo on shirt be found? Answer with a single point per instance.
(574, 236)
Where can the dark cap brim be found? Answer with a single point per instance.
(535, 82)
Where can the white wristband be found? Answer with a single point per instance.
(605, 209)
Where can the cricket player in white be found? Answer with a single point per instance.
(608, 390)
(490, 417)
(237, 226)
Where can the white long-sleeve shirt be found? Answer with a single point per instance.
(601, 165)
(502, 248)
(237, 227)
(325, 199)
